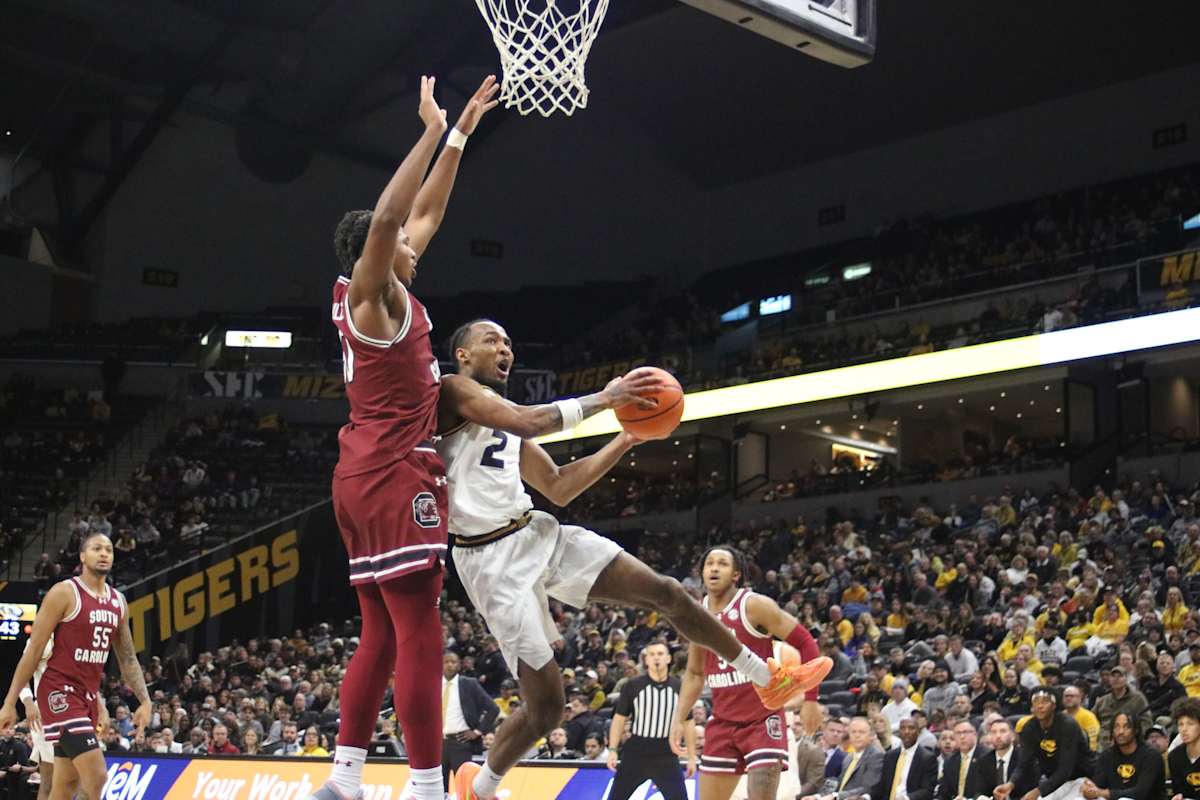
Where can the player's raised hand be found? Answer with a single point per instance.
(483, 101)
(431, 114)
(632, 388)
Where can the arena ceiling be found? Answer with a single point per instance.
(295, 77)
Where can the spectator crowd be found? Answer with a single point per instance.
(955, 618)
(213, 478)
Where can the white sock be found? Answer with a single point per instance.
(426, 783)
(752, 667)
(486, 783)
(347, 769)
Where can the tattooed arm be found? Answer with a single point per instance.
(131, 672)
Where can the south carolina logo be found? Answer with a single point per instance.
(57, 702)
(1126, 771)
(425, 510)
(1049, 747)
(1193, 778)
(774, 728)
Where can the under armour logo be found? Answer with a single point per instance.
(440, 480)
(90, 741)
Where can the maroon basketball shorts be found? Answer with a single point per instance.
(393, 520)
(736, 747)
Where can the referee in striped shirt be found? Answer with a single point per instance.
(649, 700)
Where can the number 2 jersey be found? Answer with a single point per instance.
(484, 470)
(392, 387)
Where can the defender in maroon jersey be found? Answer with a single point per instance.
(389, 486)
(87, 619)
(743, 735)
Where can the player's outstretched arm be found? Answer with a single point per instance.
(58, 603)
(561, 485)
(430, 206)
(689, 692)
(464, 398)
(131, 673)
(374, 269)
(766, 616)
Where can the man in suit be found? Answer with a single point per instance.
(909, 771)
(1002, 739)
(468, 712)
(810, 763)
(832, 738)
(970, 772)
(862, 768)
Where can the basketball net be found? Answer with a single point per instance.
(543, 52)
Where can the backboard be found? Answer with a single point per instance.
(841, 32)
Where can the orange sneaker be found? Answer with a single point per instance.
(789, 683)
(464, 780)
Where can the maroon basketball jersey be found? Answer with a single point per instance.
(82, 642)
(733, 695)
(392, 387)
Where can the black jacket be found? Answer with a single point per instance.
(478, 708)
(981, 775)
(1185, 776)
(491, 667)
(1161, 694)
(922, 775)
(1050, 758)
(1140, 776)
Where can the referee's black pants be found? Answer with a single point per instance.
(454, 755)
(636, 768)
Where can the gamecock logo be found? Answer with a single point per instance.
(57, 702)
(774, 728)
(425, 510)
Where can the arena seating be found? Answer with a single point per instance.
(903, 580)
(49, 442)
(212, 479)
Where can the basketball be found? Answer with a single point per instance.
(660, 421)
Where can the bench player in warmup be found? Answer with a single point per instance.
(744, 735)
(389, 485)
(87, 619)
(512, 559)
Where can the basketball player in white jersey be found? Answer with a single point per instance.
(43, 751)
(512, 559)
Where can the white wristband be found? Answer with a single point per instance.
(457, 139)
(571, 411)
(26, 694)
